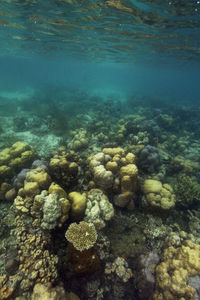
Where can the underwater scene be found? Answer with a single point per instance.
(100, 150)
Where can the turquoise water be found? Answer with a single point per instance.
(99, 150)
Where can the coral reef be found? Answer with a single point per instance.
(78, 204)
(64, 168)
(176, 274)
(83, 236)
(82, 254)
(187, 191)
(12, 160)
(120, 267)
(149, 159)
(98, 208)
(46, 292)
(118, 174)
(79, 140)
(146, 275)
(115, 171)
(157, 195)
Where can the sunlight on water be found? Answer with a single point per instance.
(99, 150)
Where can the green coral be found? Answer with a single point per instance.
(187, 191)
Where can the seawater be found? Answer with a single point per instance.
(78, 78)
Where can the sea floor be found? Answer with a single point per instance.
(68, 131)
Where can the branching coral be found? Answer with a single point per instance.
(83, 236)
(187, 191)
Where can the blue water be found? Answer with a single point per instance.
(98, 74)
(131, 46)
(172, 80)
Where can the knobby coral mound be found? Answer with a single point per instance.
(64, 168)
(83, 236)
(158, 195)
(12, 160)
(79, 139)
(98, 208)
(175, 274)
(115, 171)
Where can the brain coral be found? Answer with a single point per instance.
(83, 235)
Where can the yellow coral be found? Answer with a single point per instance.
(18, 148)
(130, 170)
(114, 169)
(55, 188)
(40, 176)
(112, 166)
(20, 205)
(5, 171)
(113, 151)
(4, 156)
(152, 186)
(116, 158)
(31, 188)
(158, 195)
(172, 274)
(130, 158)
(73, 168)
(78, 203)
(13, 159)
(65, 207)
(126, 184)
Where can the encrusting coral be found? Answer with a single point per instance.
(35, 209)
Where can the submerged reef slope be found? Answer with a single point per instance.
(111, 213)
